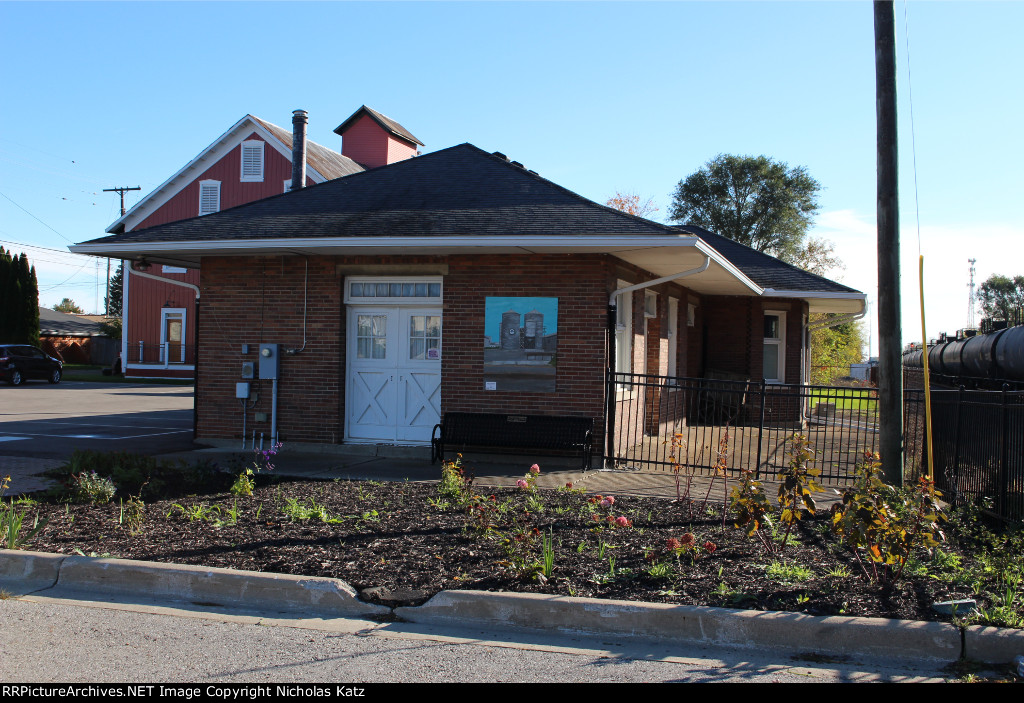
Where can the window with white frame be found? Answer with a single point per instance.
(774, 369)
(209, 197)
(624, 330)
(673, 335)
(252, 161)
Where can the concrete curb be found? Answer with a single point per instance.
(84, 578)
(123, 580)
(25, 572)
(793, 633)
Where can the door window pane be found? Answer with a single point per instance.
(425, 337)
(371, 336)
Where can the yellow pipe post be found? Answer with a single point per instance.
(927, 380)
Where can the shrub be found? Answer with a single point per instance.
(90, 487)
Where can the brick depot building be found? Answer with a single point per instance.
(460, 281)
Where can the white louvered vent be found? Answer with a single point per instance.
(252, 161)
(209, 197)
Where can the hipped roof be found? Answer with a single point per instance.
(463, 200)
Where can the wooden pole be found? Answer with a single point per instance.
(890, 365)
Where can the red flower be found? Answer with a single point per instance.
(710, 547)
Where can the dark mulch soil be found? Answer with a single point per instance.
(398, 537)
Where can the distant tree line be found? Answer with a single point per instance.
(19, 293)
(1002, 298)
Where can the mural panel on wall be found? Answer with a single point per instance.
(520, 344)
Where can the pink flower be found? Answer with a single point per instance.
(522, 483)
(610, 500)
(673, 544)
(710, 547)
(534, 469)
(623, 521)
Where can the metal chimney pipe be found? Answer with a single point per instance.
(299, 120)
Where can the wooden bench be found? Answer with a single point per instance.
(542, 433)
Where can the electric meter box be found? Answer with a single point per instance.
(242, 391)
(268, 361)
(248, 370)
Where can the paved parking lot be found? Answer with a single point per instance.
(40, 424)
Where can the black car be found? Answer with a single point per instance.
(21, 361)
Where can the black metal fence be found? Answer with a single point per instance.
(738, 424)
(978, 446)
(659, 422)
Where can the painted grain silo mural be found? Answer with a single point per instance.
(520, 344)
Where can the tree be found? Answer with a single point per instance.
(630, 203)
(833, 349)
(1002, 298)
(756, 201)
(68, 305)
(19, 291)
(113, 302)
(818, 257)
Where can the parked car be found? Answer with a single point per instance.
(19, 362)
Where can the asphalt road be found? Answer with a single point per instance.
(49, 641)
(44, 421)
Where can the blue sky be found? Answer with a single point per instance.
(598, 97)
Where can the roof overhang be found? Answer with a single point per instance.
(661, 255)
(853, 302)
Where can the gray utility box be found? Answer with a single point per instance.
(269, 365)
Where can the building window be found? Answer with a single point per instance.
(624, 331)
(399, 289)
(252, 161)
(774, 369)
(209, 197)
(673, 335)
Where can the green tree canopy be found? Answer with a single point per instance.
(68, 305)
(113, 302)
(756, 201)
(1002, 298)
(19, 291)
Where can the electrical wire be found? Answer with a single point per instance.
(36, 218)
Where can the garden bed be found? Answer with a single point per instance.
(415, 539)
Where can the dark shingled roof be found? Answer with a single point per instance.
(383, 120)
(60, 324)
(763, 269)
(462, 190)
(459, 191)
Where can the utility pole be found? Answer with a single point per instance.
(120, 191)
(890, 364)
(970, 295)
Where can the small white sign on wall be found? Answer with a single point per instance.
(490, 385)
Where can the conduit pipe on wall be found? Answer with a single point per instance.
(162, 279)
(659, 281)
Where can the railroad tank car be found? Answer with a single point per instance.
(997, 355)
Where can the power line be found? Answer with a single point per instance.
(37, 219)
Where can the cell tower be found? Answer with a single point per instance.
(970, 296)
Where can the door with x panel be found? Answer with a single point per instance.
(393, 392)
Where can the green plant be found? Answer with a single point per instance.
(751, 507)
(788, 573)
(796, 482)
(244, 483)
(886, 524)
(455, 485)
(529, 481)
(11, 523)
(547, 546)
(90, 487)
(133, 514)
(197, 512)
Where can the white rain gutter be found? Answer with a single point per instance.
(836, 321)
(658, 281)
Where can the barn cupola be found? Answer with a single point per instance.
(372, 139)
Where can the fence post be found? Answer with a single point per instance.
(760, 428)
(953, 485)
(1004, 460)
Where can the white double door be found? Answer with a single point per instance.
(393, 389)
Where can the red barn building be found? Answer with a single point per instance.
(251, 161)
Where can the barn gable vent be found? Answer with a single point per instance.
(209, 197)
(252, 161)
